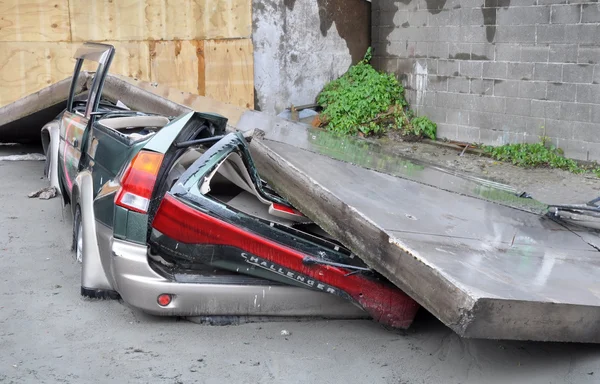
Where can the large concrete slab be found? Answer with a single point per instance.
(486, 266)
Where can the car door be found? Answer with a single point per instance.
(76, 120)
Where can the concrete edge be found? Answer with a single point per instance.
(434, 292)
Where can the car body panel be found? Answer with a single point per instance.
(221, 236)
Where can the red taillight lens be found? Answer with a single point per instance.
(138, 181)
(286, 209)
(164, 299)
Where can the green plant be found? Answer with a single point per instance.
(362, 100)
(534, 155)
(423, 127)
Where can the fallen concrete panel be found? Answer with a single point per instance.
(22, 120)
(485, 269)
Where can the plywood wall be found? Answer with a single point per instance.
(198, 46)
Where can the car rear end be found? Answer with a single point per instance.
(145, 281)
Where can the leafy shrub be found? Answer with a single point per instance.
(423, 127)
(533, 155)
(362, 100)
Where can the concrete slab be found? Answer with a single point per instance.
(486, 267)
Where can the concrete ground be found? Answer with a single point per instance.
(49, 334)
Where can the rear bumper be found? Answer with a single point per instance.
(139, 286)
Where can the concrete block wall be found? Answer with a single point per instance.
(498, 71)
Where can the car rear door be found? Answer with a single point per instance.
(76, 120)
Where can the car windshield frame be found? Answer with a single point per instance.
(101, 54)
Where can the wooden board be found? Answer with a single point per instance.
(229, 71)
(104, 20)
(191, 100)
(178, 64)
(27, 67)
(34, 20)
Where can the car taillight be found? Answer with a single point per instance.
(138, 181)
(285, 209)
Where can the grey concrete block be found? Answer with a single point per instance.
(596, 79)
(520, 107)
(483, 51)
(590, 13)
(448, 68)
(535, 127)
(473, 34)
(561, 92)
(508, 52)
(458, 85)
(588, 93)
(550, 2)
(448, 131)
(563, 53)
(558, 128)
(482, 86)
(536, 54)
(470, 3)
(566, 14)
(406, 65)
(389, 64)
(545, 109)
(447, 100)
(437, 50)
(471, 16)
(449, 33)
(515, 34)
(471, 68)
(582, 33)
(489, 103)
(491, 137)
(523, 15)
(532, 89)
(547, 72)
(589, 54)
(460, 117)
(586, 131)
(494, 70)
(485, 119)
(421, 49)
(468, 134)
(437, 115)
(418, 18)
(519, 3)
(595, 113)
(509, 88)
(551, 34)
(447, 17)
(578, 73)
(459, 51)
(396, 19)
(429, 99)
(575, 112)
(520, 71)
(432, 66)
(438, 83)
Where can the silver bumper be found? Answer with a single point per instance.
(139, 285)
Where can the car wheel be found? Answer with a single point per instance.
(78, 235)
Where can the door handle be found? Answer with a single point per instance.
(75, 142)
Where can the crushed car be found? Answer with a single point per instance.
(170, 215)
